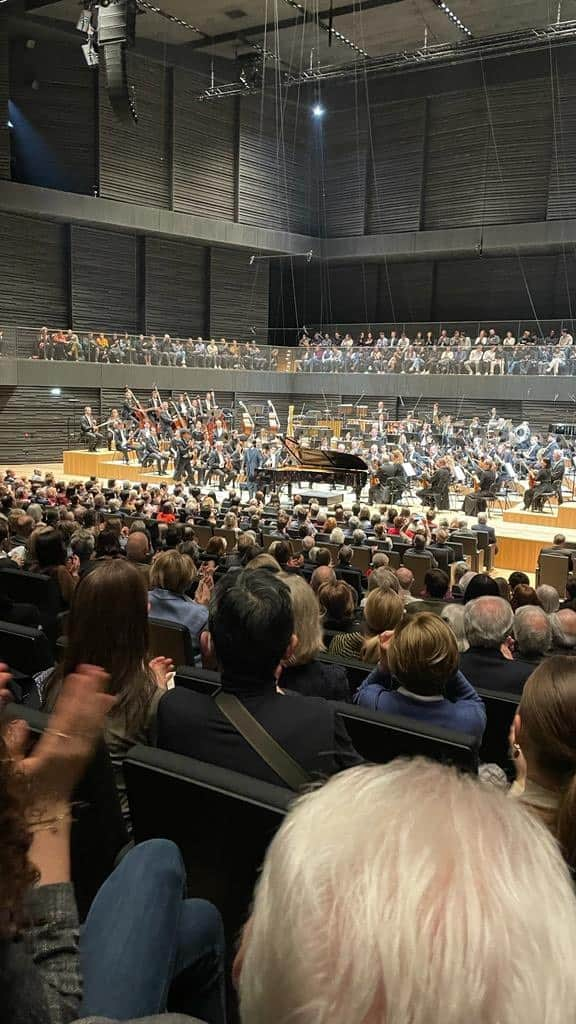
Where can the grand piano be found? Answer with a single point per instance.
(319, 464)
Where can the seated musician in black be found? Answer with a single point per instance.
(438, 491)
(542, 485)
(121, 438)
(150, 452)
(391, 479)
(89, 430)
(476, 502)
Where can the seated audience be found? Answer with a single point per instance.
(544, 749)
(322, 574)
(548, 598)
(418, 677)
(171, 575)
(405, 579)
(251, 634)
(434, 595)
(488, 662)
(453, 615)
(409, 892)
(49, 558)
(517, 578)
(563, 626)
(82, 545)
(479, 585)
(523, 595)
(345, 570)
(570, 599)
(302, 672)
(459, 571)
(140, 934)
(98, 634)
(338, 607)
(532, 634)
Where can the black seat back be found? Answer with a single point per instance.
(98, 831)
(355, 670)
(381, 738)
(221, 820)
(39, 590)
(171, 640)
(25, 648)
(458, 550)
(500, 711)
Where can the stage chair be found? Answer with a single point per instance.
(98, 835)
(419, 565)
(171, 640)
(553, 570)
(381, 738)
(222, 822)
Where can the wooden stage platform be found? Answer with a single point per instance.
(520, 534)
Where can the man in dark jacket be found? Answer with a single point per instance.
(488, 663)
(251, 631)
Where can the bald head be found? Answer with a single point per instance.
(405, 578)
(323, 574)
(567, 619)
(137, 547)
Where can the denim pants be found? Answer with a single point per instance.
(142, 938)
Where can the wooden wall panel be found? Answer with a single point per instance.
(37, 426)
(204, 158)
(273, 165)
(4, 95)
(176, 287)
(238, 296)
(104, 280)
(33, 272)
(54, 135)
(396, 166)
(135, 158)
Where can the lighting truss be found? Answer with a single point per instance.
(453, 17)
(440, 54)
(317, 18)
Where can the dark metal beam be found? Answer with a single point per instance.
(284, 23)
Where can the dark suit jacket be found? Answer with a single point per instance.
(488, 668)
(481, 528)
(307, 727)
(351, 576)
(565, 552)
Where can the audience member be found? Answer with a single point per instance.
(532, 634)
(171, 575)
(251, 632)
(302, 672)
(49, 558)
(322, 574)
(338, 605)
(563, 626)
(453, 615)
(548, 598)
(405, 579)
(488, 662)
(418, 677)
(479, 585)
(517, 578)
(97, 634)
(570, 598)
(140, 933)
(434, 595)
(522, 595)
(409, 892)
(544, 749)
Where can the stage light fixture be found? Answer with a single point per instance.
(56, 392)
(453, 17)
(9, 124)
(318, 110)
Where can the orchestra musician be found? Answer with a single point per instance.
(557, 470)
(182, 456)
(485, 481)
(540, 486)
(438, 491)
(89, 430)
(150, 451)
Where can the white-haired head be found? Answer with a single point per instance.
(532, 631)
(548, 597)
(409, 892)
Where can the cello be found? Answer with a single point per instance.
(273, 419)
(247, 421)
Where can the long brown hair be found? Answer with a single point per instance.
(17, 874)
(108, 626)
(383, 610)
(548, 737)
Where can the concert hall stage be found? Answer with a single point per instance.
(520, 534)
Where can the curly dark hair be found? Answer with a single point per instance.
(17, 874)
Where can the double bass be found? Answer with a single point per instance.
(247, 421)
(273, 419)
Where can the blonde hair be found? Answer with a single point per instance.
(307, 621)
(410, 892)
(383, 610)
(173, 571)
(423, 653)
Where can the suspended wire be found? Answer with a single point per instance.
(502, 183)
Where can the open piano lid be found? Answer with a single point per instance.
(322, 457)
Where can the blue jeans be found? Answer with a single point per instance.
(142, 938)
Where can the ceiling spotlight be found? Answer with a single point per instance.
(56, 392)
(9, 124)
(453, 17)
(318, 110)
